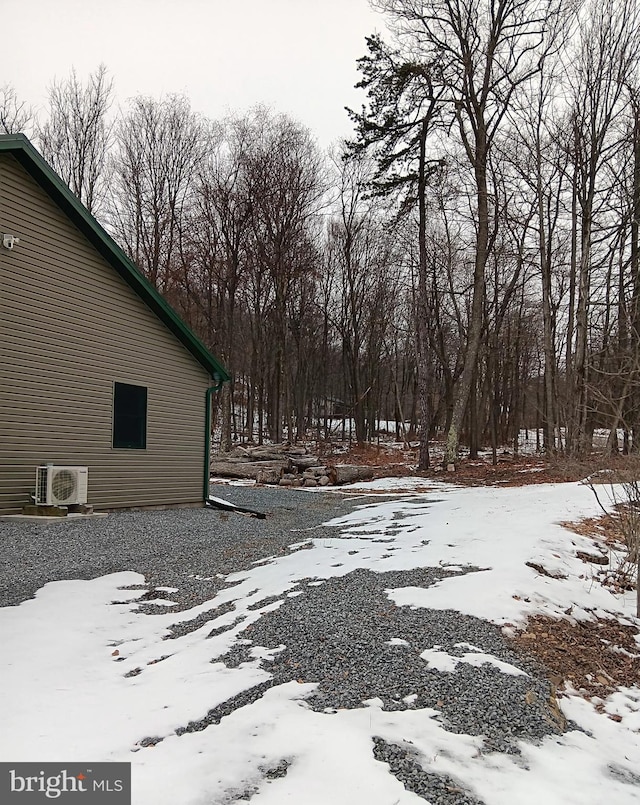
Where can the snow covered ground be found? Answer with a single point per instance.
(69, 693)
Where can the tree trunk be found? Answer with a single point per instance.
(463, 387)
(550, 420)
(422, 307)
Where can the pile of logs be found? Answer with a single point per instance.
(285, 465)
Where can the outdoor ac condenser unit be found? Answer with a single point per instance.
(61, 486)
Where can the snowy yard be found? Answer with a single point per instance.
(89, 674)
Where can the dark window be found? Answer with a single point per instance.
(129, 416)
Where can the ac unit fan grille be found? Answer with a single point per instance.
(63, 484)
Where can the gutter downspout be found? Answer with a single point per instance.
(207, 435)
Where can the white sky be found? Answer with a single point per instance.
(297, 56)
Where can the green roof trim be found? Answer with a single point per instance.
(36, 166)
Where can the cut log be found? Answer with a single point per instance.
(268, 457)
(259, 455)
(237, 452)
(270, 451)
(229, 458)
(348, 473)
(247, 469)
(304, 462)
(293, 450)
(267, 476)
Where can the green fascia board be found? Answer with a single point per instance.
(36, 166)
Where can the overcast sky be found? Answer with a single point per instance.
(296, 56)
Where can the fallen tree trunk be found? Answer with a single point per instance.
(305, 462)
(268, 451)
(348, 473)
(265, 453)
(246, 469)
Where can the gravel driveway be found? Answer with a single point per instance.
(345, 634)
(167, 547)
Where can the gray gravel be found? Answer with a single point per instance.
(169, 547)
(335, 634)
(437, 788)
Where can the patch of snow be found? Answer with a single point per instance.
(443, 661)
(160, 602)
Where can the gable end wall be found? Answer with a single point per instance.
(69, 328)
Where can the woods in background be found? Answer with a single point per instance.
(468, 265)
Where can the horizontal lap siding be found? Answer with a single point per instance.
(69, 328)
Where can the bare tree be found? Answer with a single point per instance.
(77, 136)
(532, 149)
(15, 116)
(484, 51)
(362, 246)
(161, 146)
(218, 231)
(605, 62)
(285, 184)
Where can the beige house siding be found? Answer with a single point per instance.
(70, 327)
